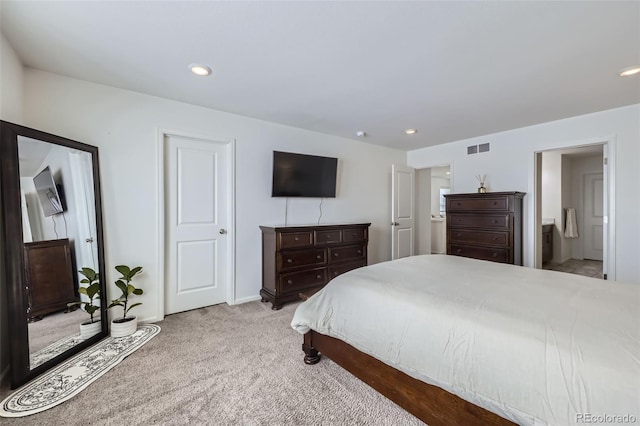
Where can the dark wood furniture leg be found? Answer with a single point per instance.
(429, 403)
(311, 355)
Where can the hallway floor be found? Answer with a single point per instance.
(589, 268)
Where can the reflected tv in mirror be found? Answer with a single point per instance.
(302, 175)
(49, 194)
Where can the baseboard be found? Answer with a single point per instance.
(247, 299)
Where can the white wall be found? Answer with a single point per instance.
(566, 248)
(124, 125)
(552, 198)
(510, 167)
(10, 83)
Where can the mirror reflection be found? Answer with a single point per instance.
(60, 247)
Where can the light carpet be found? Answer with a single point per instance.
(226, 365)
(70, 377)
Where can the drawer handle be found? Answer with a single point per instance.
(336, 254)
(335, 273)
(495, 238)
(289, 282)
(289, 261)
(296, 238)
(328, 236)
(359, 251)
(458, 235)
(495, 255)
(318, 276)
(459, 251)
(495, 203)
(318, 257)
(459, 203)
(495, 221)
(354, 235)
(459, 220)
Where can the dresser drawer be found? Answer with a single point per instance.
(496, 238)
(487, 203)
(328, 237)
(295, 281)
(479, 221)
(353, 235)
(296, 239)
(339, 254)
(297, 258)
(334, 271)
(483, 253)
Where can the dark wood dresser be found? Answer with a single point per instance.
(50, 278)
(299, 259)
(485, 226)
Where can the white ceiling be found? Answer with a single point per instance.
(452, 69)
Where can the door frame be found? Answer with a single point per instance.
(231, 209)
(609, 202)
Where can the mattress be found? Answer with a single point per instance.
(536, 347)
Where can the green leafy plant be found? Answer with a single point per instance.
(92, 291)
(127, 289)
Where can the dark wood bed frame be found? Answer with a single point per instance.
(429, 403)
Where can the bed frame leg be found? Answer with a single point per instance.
(311, 355)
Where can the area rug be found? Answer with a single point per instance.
(73, 375)
(53, 350)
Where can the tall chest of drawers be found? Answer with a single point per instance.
(299, 259)
(485, 226)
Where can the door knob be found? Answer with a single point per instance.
(223, 231)
(394, 224)
(88, 240)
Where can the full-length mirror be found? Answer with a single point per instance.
(53, 254)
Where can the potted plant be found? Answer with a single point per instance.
(125, 325)
(92, 291)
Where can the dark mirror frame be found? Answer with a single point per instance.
(13, 250)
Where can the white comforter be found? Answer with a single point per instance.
(534, 346)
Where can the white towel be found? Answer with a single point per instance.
(571, 224)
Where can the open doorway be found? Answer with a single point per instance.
(431, 185)
(571, 208)
(440, 186)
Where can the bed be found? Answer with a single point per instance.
(463, 341)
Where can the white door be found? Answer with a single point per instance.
(196, 219)
(402, 211)
(593, 214)
(81, 167)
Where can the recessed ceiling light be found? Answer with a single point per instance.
(447, 173)
(361, 133)
(411, 131)
(630, 71)
(199, 69)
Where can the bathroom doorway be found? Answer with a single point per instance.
(571, 209)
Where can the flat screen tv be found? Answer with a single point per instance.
(49, 194)
(301, 175)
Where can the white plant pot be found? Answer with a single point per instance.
(88, 330)
(122, 329)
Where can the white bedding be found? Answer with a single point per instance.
(534, 346)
